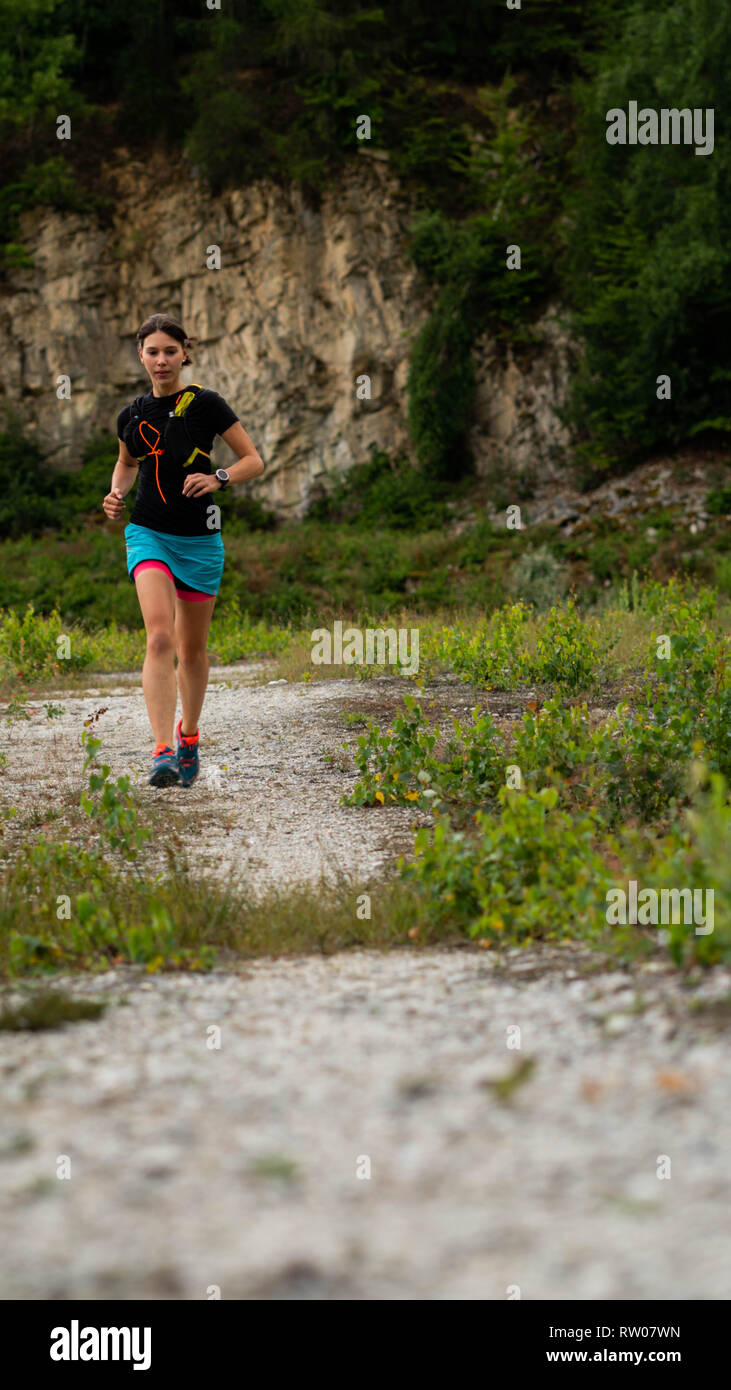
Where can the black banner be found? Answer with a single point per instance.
(156, 1338)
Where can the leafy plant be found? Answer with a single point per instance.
(29, 645)
(114, 810)
(694, 854)
(531, 871)
(394, 765)
(493, 654)
(568, 648)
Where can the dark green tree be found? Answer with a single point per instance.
(648, 237)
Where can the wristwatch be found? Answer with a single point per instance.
(223, 477)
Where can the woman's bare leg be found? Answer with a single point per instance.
(192, 621)
(156, 594)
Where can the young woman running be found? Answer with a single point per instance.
(174, 548)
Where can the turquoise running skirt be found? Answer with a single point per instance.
(195, 561)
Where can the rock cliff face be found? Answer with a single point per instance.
(305, 304)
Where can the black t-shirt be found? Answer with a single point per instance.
(160, 503)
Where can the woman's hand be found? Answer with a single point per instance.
(113, 504)
(198, 484)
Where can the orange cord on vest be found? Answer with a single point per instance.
(154, 450)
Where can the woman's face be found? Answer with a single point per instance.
(162, 358)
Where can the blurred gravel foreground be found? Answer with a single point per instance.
(363, 1131)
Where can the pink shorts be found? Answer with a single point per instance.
(182, 590)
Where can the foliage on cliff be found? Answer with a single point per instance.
(648, 239)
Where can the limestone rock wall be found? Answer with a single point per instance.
(304, 304)
(517, 435)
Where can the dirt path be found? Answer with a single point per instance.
(245, 1166)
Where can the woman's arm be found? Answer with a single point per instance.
(123, 478)
(250, 463)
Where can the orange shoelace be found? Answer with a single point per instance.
(155, 451)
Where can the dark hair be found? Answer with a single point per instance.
(162, 323)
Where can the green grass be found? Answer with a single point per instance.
(51, 1008)
(184, 922)
(37, 647)
(505, 1087)
(276, 1166)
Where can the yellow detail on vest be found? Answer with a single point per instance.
(184, 402)
(192, 456)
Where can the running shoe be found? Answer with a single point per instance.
(164, 767)
(187, 746)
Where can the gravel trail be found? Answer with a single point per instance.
(265, 800)
(365, 1129)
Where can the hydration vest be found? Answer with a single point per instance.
(175, 439)
(177, 435)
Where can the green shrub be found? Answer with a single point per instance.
(647, 241)
(50, 1008)
(394, 765)
(604, 556)
(34, 496)
(474, 766)
(29, 645)
(401, 765)
(696, 854)
(568, 647)
(29, 492)
(694, 691)
(718, 501)
(493, 654)
(646, 775)
(441, 386)
(538, 578)
(722, 574)
(568, 651)
(249, 514)
(467, 261)
(114, 809)
(235, 637)
(532, 871)
(558, 746)
(382, 492)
